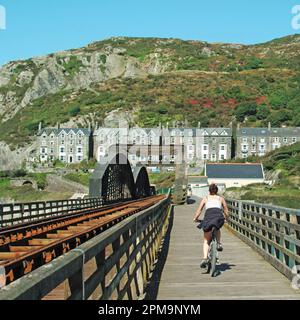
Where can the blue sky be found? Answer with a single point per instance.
(38, 27)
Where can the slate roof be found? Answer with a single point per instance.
(273, 132)
(234, 170)
(56, 131)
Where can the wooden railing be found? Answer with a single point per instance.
(13, 214)
(114, 265)
(272, 231)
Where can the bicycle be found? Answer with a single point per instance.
(213, 254)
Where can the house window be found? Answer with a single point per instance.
(222, 157)
(285, 139)
(62, 158)
(205, 148)
(79, 158)
(222, 148)
(43, 150)
(245, 140)
(79, 150)
(245, 147)
(71, 142)
(62, 150)
(52, 143)
(276, 139)
(262, 140)
(204, 156)
(253, 140)
(62, 142)
(52, 151)
(262, 147)
(71, 150)
(294, 139)
(79, 142)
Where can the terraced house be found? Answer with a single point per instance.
(260, 141)
(66, 145)
(166, 145)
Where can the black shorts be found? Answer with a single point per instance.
(213, 218)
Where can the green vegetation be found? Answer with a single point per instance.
(71, 65)
(286, 191)
(27, 193)
(162, 180)
(79, 177)
(282, 195)
(211, 83)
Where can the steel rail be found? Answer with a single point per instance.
(29, 247)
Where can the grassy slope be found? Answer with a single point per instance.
(207, 87)
(27, 193)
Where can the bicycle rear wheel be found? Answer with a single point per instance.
(213, 254)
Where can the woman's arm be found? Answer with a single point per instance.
(225, 208)
(199, 210)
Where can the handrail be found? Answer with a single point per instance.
(274, 232)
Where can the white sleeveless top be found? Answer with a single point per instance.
(213, 202)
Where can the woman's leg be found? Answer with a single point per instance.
(207, 238)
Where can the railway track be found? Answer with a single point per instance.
(26, 247)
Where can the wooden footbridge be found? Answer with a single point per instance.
(124, 242)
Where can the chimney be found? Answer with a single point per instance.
(199, 125)
(238, 126)
(269, 126)
(58, 125)
(167, 125)
(40, 126)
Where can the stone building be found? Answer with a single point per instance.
(64, 144)
(165, 145)
(260, 141)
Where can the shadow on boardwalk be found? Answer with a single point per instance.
(153, 285)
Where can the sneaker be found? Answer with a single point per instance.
(204, 263)
(219, 247)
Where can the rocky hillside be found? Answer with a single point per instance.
(150, 80)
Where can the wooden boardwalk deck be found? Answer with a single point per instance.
(245, 274)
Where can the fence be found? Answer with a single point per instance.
(114, 265)
(274, 232)
(13, 214)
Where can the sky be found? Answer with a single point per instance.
(39, 27)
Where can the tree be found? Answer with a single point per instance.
(245, 109)
(263, 112)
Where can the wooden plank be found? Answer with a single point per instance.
(78, 228)
(10, 255)
(58, 235)
(23, 248)
(43, 242)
